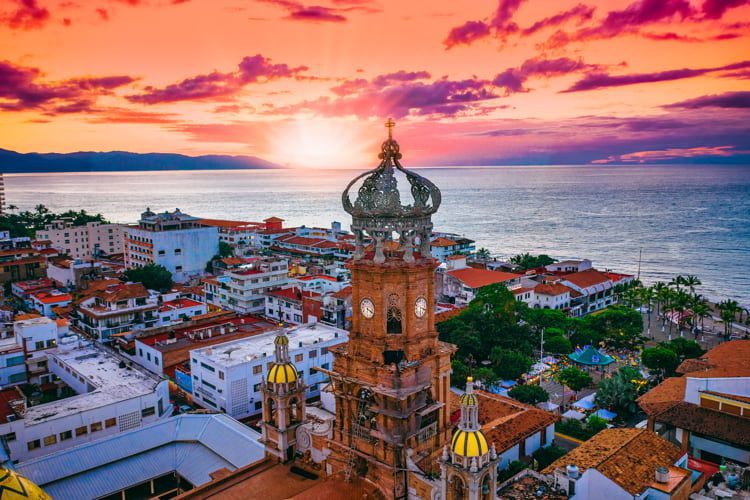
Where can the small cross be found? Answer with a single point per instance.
(389, 124)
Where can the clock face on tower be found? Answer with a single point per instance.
(367, 308)
(420, 307)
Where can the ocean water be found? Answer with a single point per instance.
(685, 219)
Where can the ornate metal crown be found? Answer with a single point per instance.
(379, 196)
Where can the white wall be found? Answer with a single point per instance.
(739, 386)
(148, 357)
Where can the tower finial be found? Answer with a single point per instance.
(389, 124)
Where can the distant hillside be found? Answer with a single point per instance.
(113, 161)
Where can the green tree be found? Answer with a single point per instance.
(573, 378)
(618, 326)
(684, 348)
(546, 455)
(483, 254)
(557, 345)
(509, 365)
(527, 261)
(728, 310)
(660, 360)
(225, 249)
(153, 277)
(28, 222)
(529, 394)
(619, 392)
(486, 375)
(595, 424)
(459, 373)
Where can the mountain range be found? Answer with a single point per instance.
(114, 161)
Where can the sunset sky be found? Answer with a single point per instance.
(309, 83)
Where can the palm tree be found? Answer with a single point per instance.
(691, 282)
(701, 311)
(658, 289)
(680, 305)
(728, 310)
(647, 297)
(483, 254)
(677, 282)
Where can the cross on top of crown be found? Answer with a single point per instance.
(389, 124)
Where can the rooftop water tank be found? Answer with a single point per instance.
(572, 471)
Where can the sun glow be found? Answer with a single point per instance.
(324, 144)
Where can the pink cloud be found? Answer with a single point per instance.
(28, 15)
(579, 12)
(513, 79)
(598, 80)
(20, 90)
(214, 85)
(661, 155)
(500, 25)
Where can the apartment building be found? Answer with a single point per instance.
(243, 289)
(111, 397)
(117, 308)
(174, 240)
(83, 242)
(294, 305)
(36, 337)
(21, 263)
(227, 377)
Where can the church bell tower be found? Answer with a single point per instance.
(391, 381)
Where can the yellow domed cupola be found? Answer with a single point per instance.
(16, 487)
(284, 373)
(469, 443)
(469, 440)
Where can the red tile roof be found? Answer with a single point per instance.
(628, 457)
(552, 289)
(442, 242)
(587, 278)
(52, 298)
(477, 278)
(172, 305)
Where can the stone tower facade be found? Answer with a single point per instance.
(391, 381)
(283, 403)
(468, 469)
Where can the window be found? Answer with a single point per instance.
(325, 366)
(208, 384)
(11, 436)
(51, 343)
(221, 375)
(140, 352)
(259, 405)
(178, 268)
(65, 435)
(50, 440)
(110, 422)
(156, 361)
(313, 354)
(162, 252)
(147, 412)
(256, 388)
(208, 367)
(298, 357)
(178, 251)
(39, 345)
(80, 431)
(323, 351)
(18, 360)
(148, 356)
(96, 426)
(257, 369)
(33, 445)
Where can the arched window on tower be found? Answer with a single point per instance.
(294, 410)
(393, 316)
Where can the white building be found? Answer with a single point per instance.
(551, 296)
(292, 305)
(569, 266)
(458, 283)
(595, 288)
(321, 283)
(227, 377)
(112, 397)
(174, 312)
(119, 308)
(12, 361)
(44, 302)
(181, 453)
(243, 290)
(83, 242)
(174, 240)
(623, 464)
(37, 337)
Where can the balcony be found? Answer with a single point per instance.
(427, 433)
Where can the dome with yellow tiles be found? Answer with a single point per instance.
(281, 340)
(469, 398)
(282, 373)
(469, 443)
(16, 487)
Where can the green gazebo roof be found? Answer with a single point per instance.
(591, 356)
